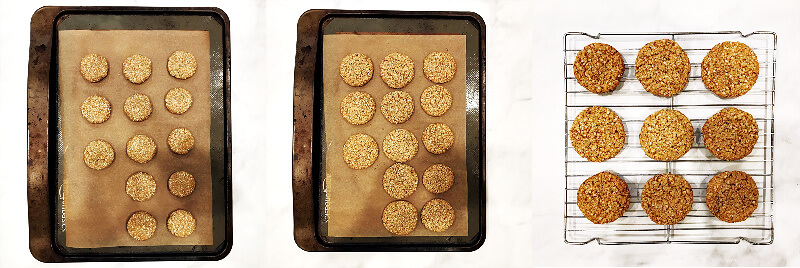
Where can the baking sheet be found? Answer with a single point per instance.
(96, 205)
(356, 198)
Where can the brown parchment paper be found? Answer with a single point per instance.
(96, 205)
(356, 198)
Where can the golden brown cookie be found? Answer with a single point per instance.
(598, 67)
(356, 69)
(94, 67)
(96, 109)
(730, 134)
(397, 70)
(181, 183)
(667, 198)
(437, 138)
(438, 178)
(181, 223)
(140, 186)
(662, 67)
(730, 69)
(597, 134)
(137, 68)
(358, 108)
(178, 100)
(138, 107)
(436, 100)
(360, 151)
(437, 215)
(181, 64)
(603, 198)
(666, 135)
(141, 225)
(180, 141)
(141, 148)
(439, 67)
(400, 180)
(400, 145)
(732, 196)
(400, 217)
(98, 155)
(397, 106)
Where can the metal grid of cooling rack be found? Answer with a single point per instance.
(633, 104)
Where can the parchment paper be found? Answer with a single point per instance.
(96, 205)
(356, 198)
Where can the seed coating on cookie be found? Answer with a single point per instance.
(94, 67)
(438, 138)
(138, 107)
(141, 148)
(732, 196)
(400, 217)
(400, 180)
(439, 67)
(98, 154)
(96, 109)
(181, 64)
(438, 178)
(178, 100)
(598, 67)
(360, 151)
(356, 69)
(397, 70)
(730, 134)
(181, 223)
(666, 135)
(180, 140)
(137, 68)
(730, 69)
(397, 106)
(181, 183)
(667, 198)
(141, 225)
(603, 198)
(400, 145)
(358, 108)
(436, 100)
(437, 215)
(597, 134)
(662, 67)
(140, 186)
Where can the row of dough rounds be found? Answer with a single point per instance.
(397, 69)
(360, 150)
(138, 107)
(730, 69)
(598, 134)
(99, 154)
(142, 225)
(137, 68)
(397, 106)
(732, 196)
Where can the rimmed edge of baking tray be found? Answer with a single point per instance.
(41, 192)
(304, 185)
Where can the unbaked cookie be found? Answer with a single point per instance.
(400, 145)
(94, 67)
(138, 107)
(437, 138)
(178, 100)
(181, 64)
(439, 67)
(397, 70)
(662, 67)
(400, 180)
(397, 106)
(436, 100)
(730, 69)
(141, 225)
(98, 154)
(137, 68)
(181, 183)
(180, 140)
(356, 69)
(598, 67)
(438, 178)
(181, 223)
(603, 198)
(730, 134)
(437, 215)
(732, 196)
(597, 134)
(360, 151)
(357, 108)
(141, 148)
(400, 217)
(667, 198)
(666, 135)
(96, 109)
(140, 186)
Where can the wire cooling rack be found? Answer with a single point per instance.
(633, 104)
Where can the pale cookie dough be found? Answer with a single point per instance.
(98, 154)
(181, 64)
(141, 225)
(181, 183)
(181, 223)
(140, 186)
(96, 109)
(141, 148)
(180, 141)
(137, 68)
(138, 107)
(356, 69)
(94, 67)
(178, 100)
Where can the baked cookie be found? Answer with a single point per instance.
(357, 108)
(94, 67)
(400, 217)
(667, 198)
(439, 67)
(96, 109)
(437, 215)
(597, 134)
(178, 100)
(138, 107)
(181, 183)
(400, 180)
(438, 178)
(662, 67)
(181, 223)
(180, 140)
(356, 69)
(666, 135)
(437, 138)
(137, 68)
(400, 145)
(141, 225)
(598, 67)
(397, 70)
(397, 106)
(732, 196)
(98, 155)
(140, 186)
(360, 151)
(181, 64)
(730, 134)
(141, 148)
(436, 100)
(603, 198)
(730, 69)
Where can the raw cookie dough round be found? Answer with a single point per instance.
(438, 178)
(439, 67)
(397, 70)
(141, 225)
(666, 135)
(730, 69)
(94, 67)
(732, 196)
(141, 148)
(181, 223)
(662, 67)
(357, 108)
(137, 68)
(603, 198)
(598, 67)
(597, 134)
(437, 138)
(667, 198)
(178, 100)
(180, 140)
(397, 106)
(730, 134)
(400, 217)
(400, 180)
(400, 145)
(138, 107)
(140, 186)
(437, 215)
(436, 100)
(96, 109)
(181, 183)
(98, 154)
(356, 69)
(181, 64)
(360, 151)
